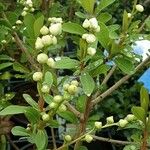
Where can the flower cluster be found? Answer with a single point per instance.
(49, 33)
(92, 26)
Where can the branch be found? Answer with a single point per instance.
(53, 139)
(24, 50)
(118, 84)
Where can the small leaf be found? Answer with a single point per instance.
(104, 17)
(48, 98)
(20, 68)
(19, 131)
(125, 21)
(54, 124)
(66, 63)
(80, 15)
(88, 83)
(81, 103)
(139, 113)
(30, 101)
(5, 65)
(125, 65)
(12, 110)
(73, 28)
(5, 57)
(48, 79)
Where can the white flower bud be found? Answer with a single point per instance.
(130, 117)
(3, 41)
(47, 40)
(37, 76)
(57, 98)
(65, 86)
(68, 138)
(129, 15)
(62, 108)
(29, 2)
(13, 27)
(44, 30)
(59, 20)
(54, 40)
(32, 9)
(53, 105)
(139, 8)
(84, 36)
(91, 51)
(56, 29)
(42, 58)
(24, 13)
(97, 29)
(45, 117)
(26, 9)
(86, 23)
(51, 62)
(75, 82)
(88, 138)
(18, 22)
(72, 89)
(90, 38)
(45, 89)
(98, 125)
(93, 23)
(122, 123)
(110, 120)
(38, 44)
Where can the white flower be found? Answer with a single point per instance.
(93, 23)
(53, 105)
(139, 8)
(45, 89)
(18, 22)
(47, 40)
(37, 76)
(97, 29)
(129, 15)
(26, 9)
(42, 58)
(57, 98)
(51, 62)
(3, 41)
(122, 123)
(86, 23)
(44, 30)
(54, 40)
(90, 38)
(38, 44)
(56, 29)
(24, 13)
(110, 120)
(98, 125)
(68, 138)
(88, 138)
(91, 51)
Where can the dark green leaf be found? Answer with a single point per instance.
(5, 57)
(104, 17)
(54, 124)
(48, 79)
(5, 65)
(82, 148)
(20, 68)
(19, 131)
(81, 103)
(48, 98)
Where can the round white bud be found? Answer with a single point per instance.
(88, 138)
(45, 89)
(110, 120)
(129, 15)
(13, 27)
(57, 98)
(91, 51)
(139, 8)
(42, 58)
(75, 82)
(38, 44)
(18, 22)
(24, 13)
(90, 38)
(68, 138)
(122, 123)
(86, 23)
(56, 29)
(32, 9)
(45, 117)
(93, 23)
(53, 105)
(44, 30)
(47, 40)
(72, 89)
(130, 117)
(51, 62)
(37, 76)
(98, 125)
(25, 9)
(62, 108)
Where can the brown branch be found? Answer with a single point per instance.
(53, 138)
(144, 141)
(118, 84)
(24, 50)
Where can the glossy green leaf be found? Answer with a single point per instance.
(80, 15)
(73, 28)
(30, 101)
(19, 131)
(5, 65)
(48, 79)
(104, 17)
(48, 98)
(5, 57)
(20, 68)
(88, 83)
(81, 103)
(12, 110)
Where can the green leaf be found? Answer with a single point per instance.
(66, 63)
(54, 124)
(88, 5)
(139, 113)
(125, 65)
(69, 116)
(48, 79)
(41, 140)
(82, 148)
(103, 4)
(5, 65)
(38, 25)
(125, 21)
(19, 131)
(12, 110)
(5, 57)
(144, 98)
(20, 68)
(48, 98)
(30, 101)
(88, 83)
(32, 115)
(12, 17)
(104, 17)
(103, 36)
(81, 103)
(73, 28)
(80, 15)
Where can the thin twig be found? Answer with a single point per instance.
(118, 84)
(112, 140)
(53, 139)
